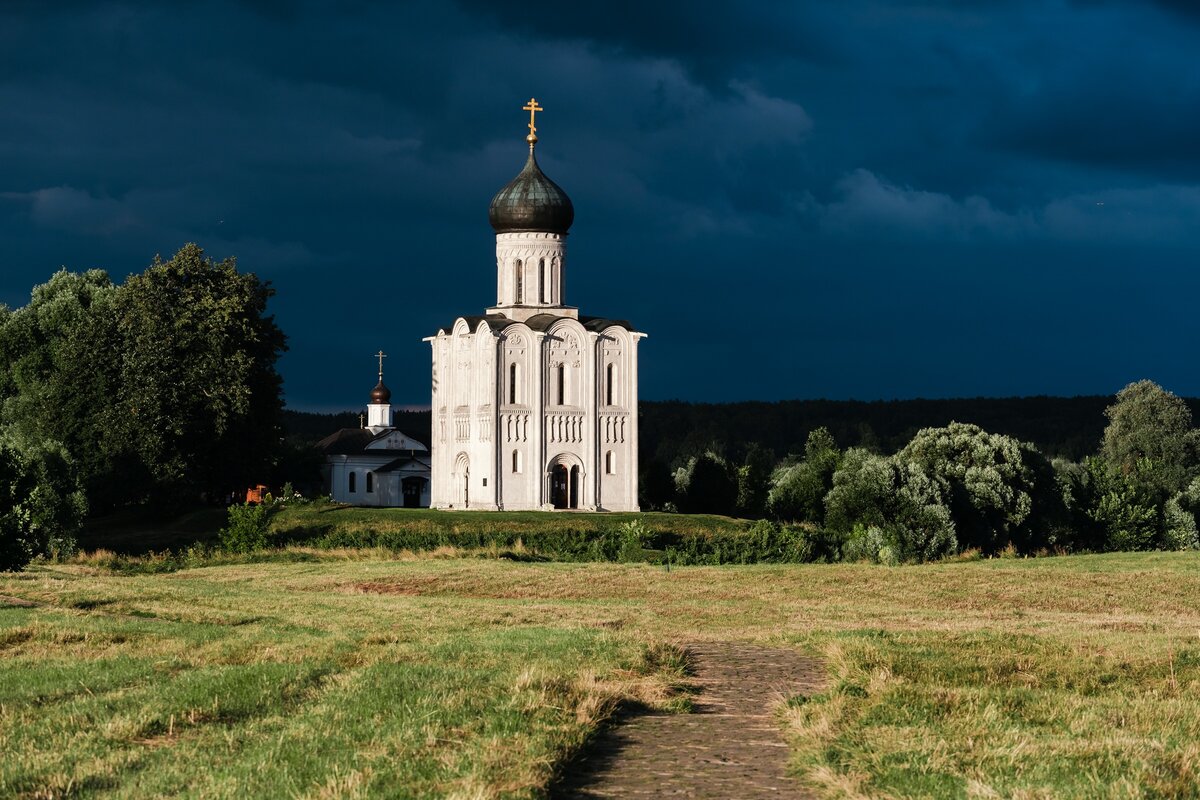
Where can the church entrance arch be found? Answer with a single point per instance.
(462, 481)
(564, 477)
(413, 487)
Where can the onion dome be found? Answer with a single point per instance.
(381, 394)
(531, 202)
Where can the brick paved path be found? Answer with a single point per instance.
(730, 747)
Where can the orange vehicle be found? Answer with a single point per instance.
(255, 495)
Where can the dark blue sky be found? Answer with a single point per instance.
(795, 200)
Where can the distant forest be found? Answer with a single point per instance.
(673, 431)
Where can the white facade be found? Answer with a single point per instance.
(534, 406)
(377, 465)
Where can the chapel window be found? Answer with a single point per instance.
(512, 383)
(608, 385)
(542, 280)
(519, 282)
(352, 487)
(610, 465)
(516, 461)
(370, 481)
(562, 384)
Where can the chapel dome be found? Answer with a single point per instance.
(531, 202)
(381, 394)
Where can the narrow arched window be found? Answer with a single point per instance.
(562, 384)
(608, 385)
(542, 280)
(519, 283)
(370, 481)
(512, 383)
(609, 463)
(516, 461)
(352, 487)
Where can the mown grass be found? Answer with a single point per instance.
(1054, 677)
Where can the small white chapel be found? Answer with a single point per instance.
(534, 405)
(376, 464)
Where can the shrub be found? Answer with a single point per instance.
(635, 538)
(886, 502)
(1123, 507)
(864, 543)
(1180, 530)
(247, 528)
(41, 504)
(798, 490)
(1001, 490)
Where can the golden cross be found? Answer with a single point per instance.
(362, 421)
(381, 356)
(532, 107)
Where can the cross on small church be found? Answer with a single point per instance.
(381, 356)
(532, 107)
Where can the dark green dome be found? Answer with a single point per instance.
(531, 202)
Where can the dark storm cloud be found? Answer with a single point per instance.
(1122, 93)
(907, 197)
(708, 40)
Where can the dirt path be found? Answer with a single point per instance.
(731, 747)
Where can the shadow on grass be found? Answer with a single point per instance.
(582, 776)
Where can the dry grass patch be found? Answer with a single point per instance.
(336, 675)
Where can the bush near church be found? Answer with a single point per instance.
(41, 505)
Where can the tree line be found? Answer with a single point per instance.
(161, 390)
(959, 488)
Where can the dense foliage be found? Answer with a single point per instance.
(959, 488)
(161, 389)
(41, 505)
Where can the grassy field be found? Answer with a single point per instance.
(345, 676)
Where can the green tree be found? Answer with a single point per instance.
(706, 485)
(1123, 507)
(1149, 423)
(198, 398)
(754, 480)
(63, 358)
(798, 490)
(656, 486)
(1182, 515)
(995, 484)
(41, 505)
(164, 387)
(890, 510)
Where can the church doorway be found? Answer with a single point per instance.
(564, 485)
(560, 486)
(413, 486)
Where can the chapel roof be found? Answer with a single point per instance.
(400, 462)
(354, 441)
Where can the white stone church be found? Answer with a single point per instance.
(534, 405)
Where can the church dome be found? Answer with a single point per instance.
(531, 202)
(381, 394)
